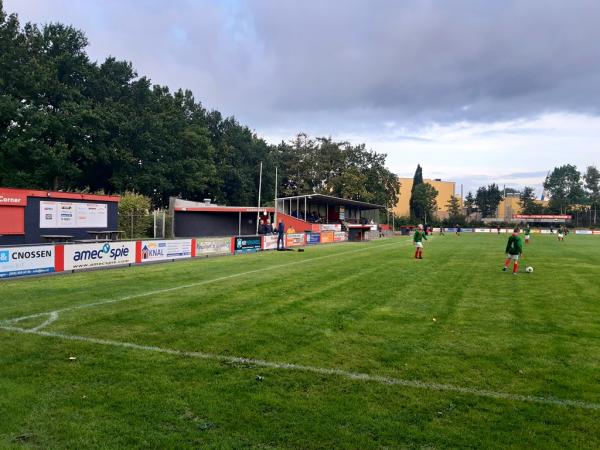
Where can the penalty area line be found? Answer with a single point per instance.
(357, 376)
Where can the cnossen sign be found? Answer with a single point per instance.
(20, 261)
(107, 254)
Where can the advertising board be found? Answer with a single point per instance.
(213, 246)
(543, 216)
(314, 238)
(166, 249)
(326, 237)
(73, 215)
(331, 227)
(482, 230)
(340, 236)
(269, 242)
(103, 254)
(20, 261)
(247, 244)
(294, 239)
(584, 232)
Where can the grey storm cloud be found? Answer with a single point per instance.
(458, 60)
(410, 61)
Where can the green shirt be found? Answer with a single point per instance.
(419, 236)
(527, 231)
(514, 245)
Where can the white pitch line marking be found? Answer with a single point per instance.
(187, 286)
(53, 317)
(358, 376)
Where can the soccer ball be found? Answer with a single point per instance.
(528, 269)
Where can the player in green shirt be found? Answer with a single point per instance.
(561, 233)
(418, 241)
(527, 231)
(514, 248)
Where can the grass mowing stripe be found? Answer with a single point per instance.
(323, 371)
(54, 314)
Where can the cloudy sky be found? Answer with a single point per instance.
(475, 91)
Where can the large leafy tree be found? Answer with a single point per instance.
(322, 165)
(592, 186)
(565, 188)
(470, 205)
(487, 199)
(69, 123)
(455, 213)
(424, 201)
(528, 203)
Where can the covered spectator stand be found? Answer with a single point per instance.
(318, 212)
(30, 216)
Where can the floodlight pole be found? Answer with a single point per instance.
(275, 215)
(259, 192)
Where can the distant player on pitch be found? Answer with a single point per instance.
(514, 248)
(527, 231)
(561, 233)
(418, 241)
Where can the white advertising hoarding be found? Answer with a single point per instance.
(103, 254)
(340, 236)
(20, 261)
(331, 227)
(270, 242)
(167, 249)
(73, 215)
(213, 246)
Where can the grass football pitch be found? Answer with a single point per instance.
(353, 345)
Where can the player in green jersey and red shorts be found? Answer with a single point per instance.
(418, 241)
(527, 231)
(514, 248)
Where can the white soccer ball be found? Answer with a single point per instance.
(528, 269)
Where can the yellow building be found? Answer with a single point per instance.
(510, 205)
(446, 189)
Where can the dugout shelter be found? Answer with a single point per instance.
(206, 219)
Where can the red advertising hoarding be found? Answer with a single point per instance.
(542, 216)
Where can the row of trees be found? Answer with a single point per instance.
(569, 191)
(72, 124)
